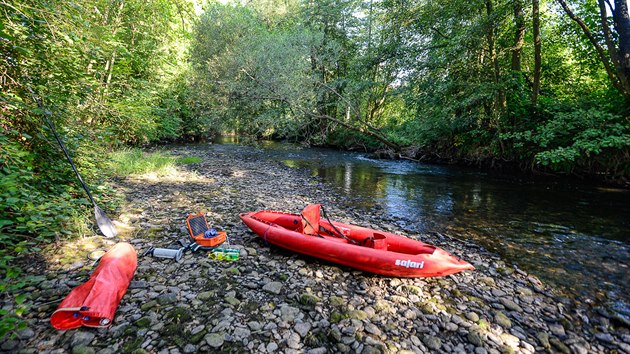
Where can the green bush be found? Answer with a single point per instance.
(35, 207)
(570, 139)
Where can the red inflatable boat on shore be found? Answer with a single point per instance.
(353, 246)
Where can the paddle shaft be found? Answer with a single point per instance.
(63, 147)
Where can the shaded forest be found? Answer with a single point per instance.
(537, 85)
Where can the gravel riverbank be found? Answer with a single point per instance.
(274, 301)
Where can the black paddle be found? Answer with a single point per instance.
(104, 223)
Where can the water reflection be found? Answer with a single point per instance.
(575, 236)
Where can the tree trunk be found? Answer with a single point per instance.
(519, 38)
(621, 17)
(616, 62)
(537, 49)
(500, 101)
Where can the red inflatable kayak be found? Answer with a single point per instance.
(353, 246)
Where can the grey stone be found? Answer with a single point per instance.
(255, 326)
(81, 338)
(302, 328)
(167, 299)
(272, 347)
(559, 345)
(241, 333)
(294, 341)
(605, 337)
(9, 345)
(138, 284)
(26, 333)
(206, 295)
(190, 348)
(368, 349)
(82, 349)
(543, 338)
(232, 300)
(578, 349)
(502, 320)
(373, 329)
(480, 350)
(321, 350)
(497, 292)
(273, 287)
(451, 327)
(475, 338)
(432, 342)
(106, 351)
(289, 313)
(472, 316)
(197, 329)
(625, 347)
(215, 340)
(510, 304)
(149, 305)
(557, 330)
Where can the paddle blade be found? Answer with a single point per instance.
(104, 223)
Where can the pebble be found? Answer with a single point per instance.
(167, 299)
(82, 338)
(206, 295)
(215, 340)
(432, 342)
(26, 334)
(294, 341)
(373, 329)
(302, 328)
(272, 347)
(273, 287)
(557, 330)
(241, 333)
(605, 337)
(472, 316)
(475, 338)
(502, 320)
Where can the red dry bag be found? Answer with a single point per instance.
(94, 302)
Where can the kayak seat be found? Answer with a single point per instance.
(380, 241)
(376, 241)
(310, 219)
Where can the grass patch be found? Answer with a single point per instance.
(189, 160)
(134, 161)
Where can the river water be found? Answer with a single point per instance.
(572, 235)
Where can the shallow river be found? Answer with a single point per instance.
(572, 235)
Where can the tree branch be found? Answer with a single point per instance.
(436, 30)
(598, 47)
(608, 34)
(370, 131)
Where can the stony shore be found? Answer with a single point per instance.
(274, 301)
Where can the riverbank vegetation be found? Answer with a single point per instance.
(536, 85)
(539, 85)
